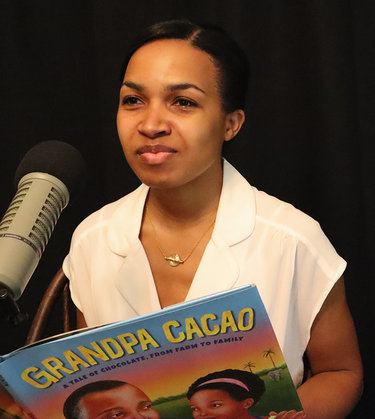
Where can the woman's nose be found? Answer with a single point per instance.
(154, 123)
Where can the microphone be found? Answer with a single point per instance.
(49, 175)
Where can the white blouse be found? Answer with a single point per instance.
(257, 239)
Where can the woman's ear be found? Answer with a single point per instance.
(233, 123)
(247, 403)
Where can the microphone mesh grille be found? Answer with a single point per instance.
(47, 219)
(14, 206)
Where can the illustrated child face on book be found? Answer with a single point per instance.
(107, 400)
(219, 404)
(225, 394)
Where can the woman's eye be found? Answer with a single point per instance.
(185, 103)
(131, 100)
(216, 404)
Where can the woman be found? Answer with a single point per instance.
(195, 226)
(229, 394)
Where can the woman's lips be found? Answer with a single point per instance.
(155, 154)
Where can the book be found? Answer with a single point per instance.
(226, 338)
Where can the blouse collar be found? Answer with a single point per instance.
(235, 218)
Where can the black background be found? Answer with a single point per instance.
(308, 138)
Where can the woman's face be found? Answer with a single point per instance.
(218, 404)
(126, 401)
(170, 119)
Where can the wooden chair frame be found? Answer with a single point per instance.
(58, 286)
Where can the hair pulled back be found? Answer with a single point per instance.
(230, 60)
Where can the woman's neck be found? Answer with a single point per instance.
(186, 205)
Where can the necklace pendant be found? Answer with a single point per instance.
(174, 260)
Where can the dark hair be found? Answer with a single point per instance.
(229, 59)
(254, 384)
(71, 409)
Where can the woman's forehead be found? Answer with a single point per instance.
(171, 62)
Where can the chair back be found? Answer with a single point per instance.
(59, 286)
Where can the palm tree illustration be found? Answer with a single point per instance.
(249, 365)
(268, 354)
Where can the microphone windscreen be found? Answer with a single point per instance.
(58, 159)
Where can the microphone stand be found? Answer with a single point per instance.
(9, 309)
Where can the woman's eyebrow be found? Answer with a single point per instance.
(170, 88)
(183, 86)
(133, 85)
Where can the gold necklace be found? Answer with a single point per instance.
(174, 259)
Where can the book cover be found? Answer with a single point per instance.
(218, 341)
